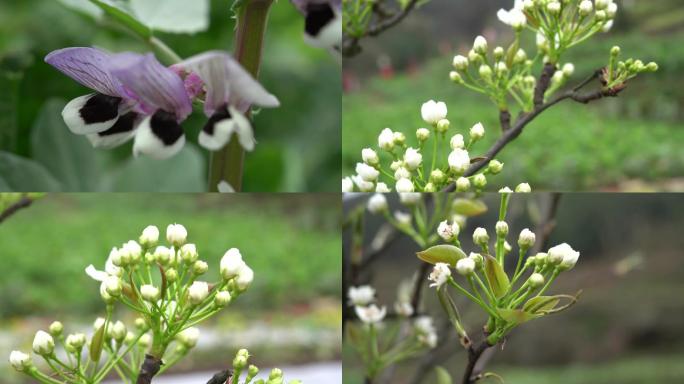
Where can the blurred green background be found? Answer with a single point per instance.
(628, 143)
(626, 327)
(299, 143)
(290, 315)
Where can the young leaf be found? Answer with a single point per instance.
(96, 344)
(443, 253)
(18, 174)
(174, 16)
(469, 207)
(516, 316)
(541, 303)
(124, 18)
(443, 376)
(496, 277)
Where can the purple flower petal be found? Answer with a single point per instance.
(227, 82)
(88, 66)
(153, 85)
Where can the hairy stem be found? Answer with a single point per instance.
(227, 164)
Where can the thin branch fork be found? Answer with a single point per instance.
(475, 352)
(24, 202)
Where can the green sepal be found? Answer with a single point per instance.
(496, 277)
(97, 343)
(469, 207)
(443, 253)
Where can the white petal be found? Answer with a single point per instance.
(225, 187)
(222, 131)
(95, 274)
(243, 128)
(329, 36)
(124, 130)
(73, 119)
(149, 144)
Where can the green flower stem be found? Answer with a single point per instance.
(227, 164)
(55, 369)
(485, 287)
(36, 374)
(555, 274)
(521, 254)
(470, 296)
(112, 362)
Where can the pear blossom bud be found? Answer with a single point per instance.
(480, 236)
(412, 158)
(457, 141)
(252, 371)
(176, 234)
(455, 77)
(149, 292)
(367, 172)
(188, 337)
(171, 275)
(118, 331)
(163, 255)
(568, 69)
(465, 266)
(505, 190)
(536, 280)
(141, 324)
(188, 253)
(439, 275)
(564, 255)
(460, 62)
(459, 160)
(479, 181)
(149, 236)
(386, 139)
(200, 267)
(485, 71)
(347, 185)
(500, 68)
(477, 132)
(447, 231)
(222, 298)
(495, 167)
(437, 176)
(377, 203)
(477, 258)
(244, 278)
(145, 341)
(462, 184)
(480, 45)
(115, 257)
(501, 228)
(422, 134)
(370, 314)
(43, 343)
(369, 156)
(98, 323)
(474, 57)
(409, 198)
(540, 259)
(198, 291)
(113, 285)
(526, 239)
(586, 7)
(239, 362)
(75, 342)
(56, 328)
(611, 10)
(443, 125)
(231, 264)
(361, 295)
(601, 15)
(131, 252)
(652, 66)
(530, 81)
(382, 188)
(404, 185)
(402, 217)
(498, 53)
(399, 138)
(507, 247)
(558, 77)
(523, 188)
(275, 374)
(602, 4)
(403, 308)
(553, 7)
(20, 361)
(432, 111)
(402, 173)
(430, 187)
(520, 56)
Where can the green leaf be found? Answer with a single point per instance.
(469, 207)
(510, 55)
(69, 157)
(516, 316)
(18, 174)
(184, 172)
(443, 376)
(541, 304)
(125, 18)
(496, 276)
(96, 344)
(174, 16)
(9, 102)
(83, 6)
(443, 253)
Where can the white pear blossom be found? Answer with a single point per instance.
(412, 158)
(432, 111)
(526, 238)
(465, 266)
(20, 360)
(404, 185)
(367, 172)
(459, 160)
(347, 184)
(439, 275)
(369, 156)
(188, 253)
(363, 185)
(515, 17)
(585, 7)
(480, 236)
(386, 139)
(462, 184)
(457, 141)
(176, 234)
(222, 298)
(43, 343)
(361, 295)
(448, 231)
(568, 257)
(244, 278)
(231, 263)
(198, 291)
(377, 203)
(370, 314)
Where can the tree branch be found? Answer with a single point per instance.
(547, 224)
(24, 202)
(505, 120)
(149, 368)
(474, 354)
(391, 21)
(221, 377)
(543, 83)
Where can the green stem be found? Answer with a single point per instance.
(226, 164)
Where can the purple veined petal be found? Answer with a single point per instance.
(152, 84)
(227, 82)
(88, 66)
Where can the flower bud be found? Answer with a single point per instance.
(498, 53)
(75, 342)
(611, 10)
(480, 45)
(20, 361)
(507, 247)
(485, 71)
(459, 161)
(275, 374)
(145, 341)
(404, 185)
(410, 198)
(526, 239)
(382, 188)
(480, 236)
(523, 188)
(568, 69)
(188, 253)
(402, 173)
(477, 258)
(447, 231)
(455, 77)
(412, 158)
(443, 125)
(171, 275)
(460, 62)
(113, 285)
(652, 66)
(149, 292)
(43, 343)
(430, 187)
(377, 203)
(149, 236)
(495, 167)
(586, 7)
(479, 181)
(540, 259)
(477, 132)
(422, 134)
(465, 266)
(188, 337)
(231, 264)
(536, 280)
(163, 255)
(457, 141)
(369, 156)
(386, 139)
(56, 328)
(462, 184)
(239, 362)
(252, 371)
(222, 298)
(399, 138)
(141, 324)
(118, 331)
(115, 257)
(200, 267)
(474, 57)
(366, 172)
(176, 234)
(553, 7)
(505, 190)
(501, 228)
(520, 56)
(244, 278)
(198, 291)
(437, 176)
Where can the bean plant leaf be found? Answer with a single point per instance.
(443, 253)
(469, 207)
(443, 376)
(126, 18)
(174, 16)
(83, 6)
(97, 343)
(18, 174)
(496, 277)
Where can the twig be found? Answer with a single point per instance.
(547, 223)
(474, 354)
(221, 377)
(543, 83)
(505, 120)
(418, 286)
(149, 368)
(391, 21)
(24, 202)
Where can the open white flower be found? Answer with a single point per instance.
(515, 17)
(568, 257)
(448, 231)
(370, 314)
(439, 275)
(361, 295)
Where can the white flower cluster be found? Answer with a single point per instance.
(408, 170)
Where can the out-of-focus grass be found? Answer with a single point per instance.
(292, 242)
(569, 147)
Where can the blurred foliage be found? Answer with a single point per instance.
(298, 142)
(292, 243)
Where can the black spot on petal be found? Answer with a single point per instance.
(100, 108)
(165, 127)
(124, 124)
(318, 15)
(220, 114)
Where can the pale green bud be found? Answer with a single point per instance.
(56, 328)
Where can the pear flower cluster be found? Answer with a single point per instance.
(162, 284)
(508, 299)
(423, 166)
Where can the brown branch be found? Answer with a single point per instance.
(547, 224)
(221, 377)
(149, 368)
(15, 207)
(505, 120)
(418, 287)
(474, 354)
(543, 83)
(391, 21)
